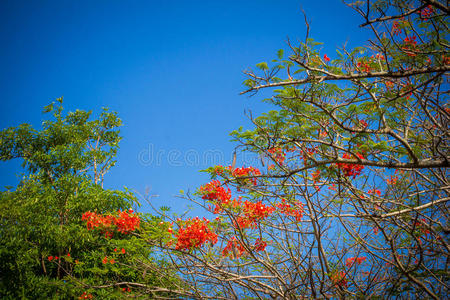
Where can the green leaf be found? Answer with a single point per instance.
(280, 53)
(262, 66)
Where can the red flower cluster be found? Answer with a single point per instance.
(50, 258)
(254, 212)
(363, 123)
(389, 84)
(392, 180)
(94, 220)
(396, 30)
(245, 172)
(351, 169)
(215, 191)
(326, 58)
(364, 66)
(421, 226)
(123, 250)
(426, 12)
(260, 245)
(105, 260)
(409, 45)
(125, 222)
(308, 152)
(236, 249)
(286, 209)
(352, 260)
(277, 154)
(85, 296)
(193, 234)
(374, 191)
(339, 278)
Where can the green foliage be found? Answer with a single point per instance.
(66, 162)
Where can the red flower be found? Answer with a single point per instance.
(253, 213)
(352, 260)
(105, 260)
(214, 191)
(326, 58)
(392, 180)
(125, 222)
(351, 169)
(194, 233)
(339, 278)
(123, 251)
(426, 12)
(85, 296)
(234, 248)
(277, 154)
(50, 258)
(245, 172)
(378, 192)
(287, 209)
(260, 245)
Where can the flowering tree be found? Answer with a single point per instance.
(46, 252)
(350, 197)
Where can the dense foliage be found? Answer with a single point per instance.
(46, 251)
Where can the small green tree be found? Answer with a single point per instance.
(45, 249)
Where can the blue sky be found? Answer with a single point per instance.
(171, 69)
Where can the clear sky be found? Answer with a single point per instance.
(171, 69)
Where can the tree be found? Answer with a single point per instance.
(354, 199)
(45, 249)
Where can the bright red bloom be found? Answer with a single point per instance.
(396, 30)
(85, 296)
(260, 245)
(392, 180)
(125, 222)
(378, 192)
(289, 210)
(194, 233)
(326, 58)
(123, 251)
(421, 225)
(351, 169)
(234, 248)
(105, 260)
(426, 12)
(339, 278)
(50, 258)
(245, 172)
(352, 260)
(253, 213)
(410, 45)
(277, 154)
(215, 191)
